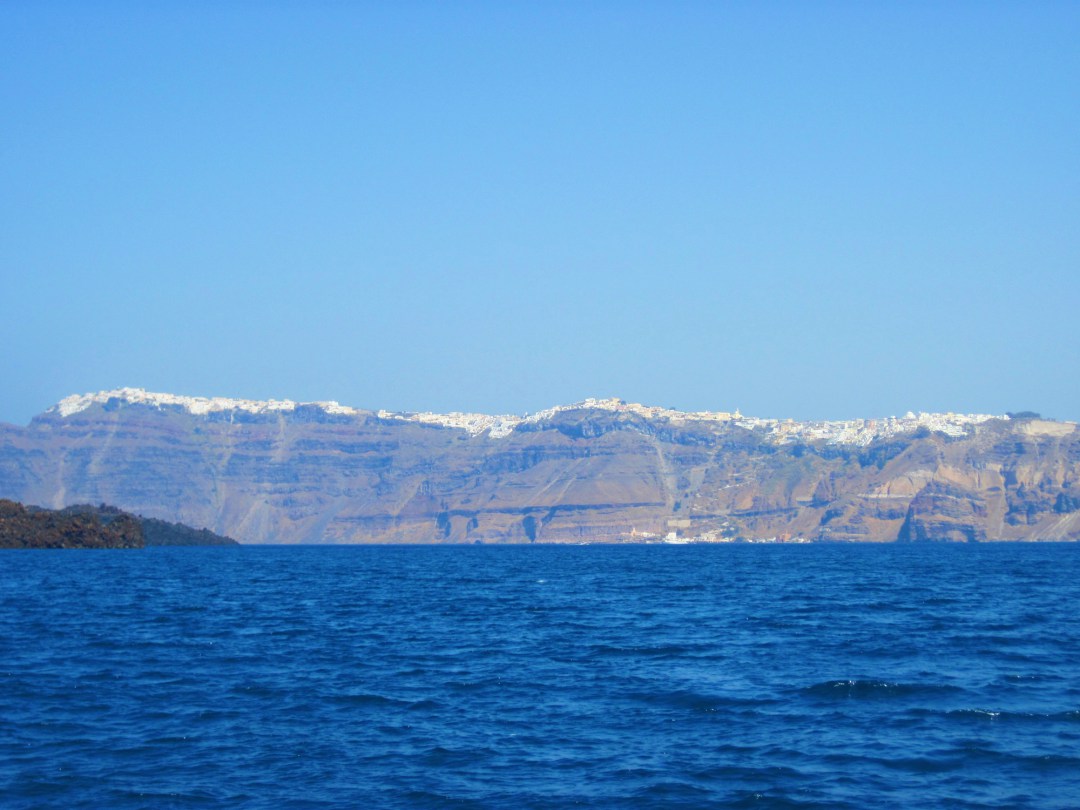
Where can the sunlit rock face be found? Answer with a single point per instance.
(600, 470)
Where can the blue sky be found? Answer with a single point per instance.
(801, 210)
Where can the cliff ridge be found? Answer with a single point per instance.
(598, 470)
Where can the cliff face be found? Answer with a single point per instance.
(312, 473)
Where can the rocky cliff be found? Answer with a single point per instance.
(602, 470)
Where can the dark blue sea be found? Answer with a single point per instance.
(819, 676)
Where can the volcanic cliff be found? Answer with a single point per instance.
(601, 470)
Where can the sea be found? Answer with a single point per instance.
(668, 676)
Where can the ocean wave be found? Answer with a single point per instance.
(368, 699)
(870, 689)
(757, 800)
(646, 650)
(1068, 716)
(700, 702)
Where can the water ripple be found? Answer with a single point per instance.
(541, 677)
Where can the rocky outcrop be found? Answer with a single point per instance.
(21, 527)
(163, 533)
(289, 473)
(86, 526)
(944, 512)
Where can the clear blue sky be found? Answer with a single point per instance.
(808, 210)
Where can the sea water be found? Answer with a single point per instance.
(824, 676)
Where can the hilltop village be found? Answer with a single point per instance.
(859, 432)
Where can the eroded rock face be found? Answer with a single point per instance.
(945, 512)
(314, 473)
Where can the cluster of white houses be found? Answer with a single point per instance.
(854, 431)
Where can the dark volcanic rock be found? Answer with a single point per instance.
(22, 527)
(86, 526)
(163, 533)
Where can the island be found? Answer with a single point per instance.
(87, 526)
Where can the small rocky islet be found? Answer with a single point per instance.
(87, 526)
